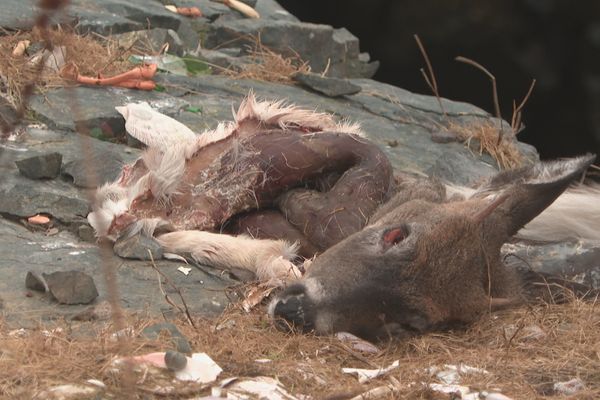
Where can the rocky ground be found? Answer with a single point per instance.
(415, 132)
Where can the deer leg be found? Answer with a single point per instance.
(269, 260)
(270, 224)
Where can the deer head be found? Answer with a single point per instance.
(423, 262)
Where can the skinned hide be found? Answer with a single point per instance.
(189, 185)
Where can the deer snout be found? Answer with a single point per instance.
(293, 309)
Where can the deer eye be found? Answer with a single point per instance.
(394, 236)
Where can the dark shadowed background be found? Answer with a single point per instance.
(556, 42)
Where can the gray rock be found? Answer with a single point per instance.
(223, 59)
(96, 108)
(179, 340)
(251, 3)
(324, 47)
(17, 14)
(35, 281)
(94, 169)
(86, 233)
(137, 247)
(175, 360)
(24, 200)
(102, 16)
(8, 115)
(457, 168)
(45, 166)
(117, 16)
(332, 87)
(71, 287)
(270, 9)
(204, 293)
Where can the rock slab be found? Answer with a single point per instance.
(45, 166)
(71, 287)
(137, 248)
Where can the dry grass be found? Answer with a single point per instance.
(267, 65)
(485, 136)
(519, 366)
(92, 56)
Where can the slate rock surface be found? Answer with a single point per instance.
(332, 87)
(138, 247)
(35, 281)
(45, 166)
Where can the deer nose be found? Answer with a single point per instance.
(290, 311)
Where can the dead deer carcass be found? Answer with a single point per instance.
(398, 253)
(423, 262)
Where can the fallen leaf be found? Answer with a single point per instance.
(184, 270)
(38, 219)
(255, 296)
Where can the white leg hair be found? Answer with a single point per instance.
(269, 260)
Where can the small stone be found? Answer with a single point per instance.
(35, 281)
(181, 343)
(71, 287)
(137, 247)
(332, 87)
(569, 388)
(86, 233)
(45, 166)
(175, 360)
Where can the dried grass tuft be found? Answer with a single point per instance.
(264, 64)
(92, 56)
(519, 366)
(483, 136)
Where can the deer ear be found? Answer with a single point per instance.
(532, 190)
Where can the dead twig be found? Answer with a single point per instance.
(185, 310)
(515, 122)
(430, 80)
(494, 89)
